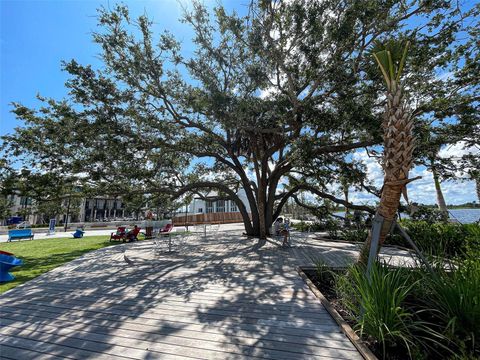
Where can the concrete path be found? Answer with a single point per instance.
(220, 297)
(60, 234)
(39, 235)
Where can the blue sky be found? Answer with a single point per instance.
(35, 36)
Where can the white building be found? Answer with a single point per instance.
(214, 207)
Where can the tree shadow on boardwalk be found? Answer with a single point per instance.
(218, 298)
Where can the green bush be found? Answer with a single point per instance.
(354, 235)
(301, 226)
(333, 228)
(322, 270)
(455, 298)
(440, 239)
(381, 311)
(313, 227)
(428, 214)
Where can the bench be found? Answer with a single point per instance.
(20, 234)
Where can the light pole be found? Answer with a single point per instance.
(68, 213)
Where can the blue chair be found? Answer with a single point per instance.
(78, 234)
(6, 263)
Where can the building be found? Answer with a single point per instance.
(103, 209)
(213, 208)
(22, 206)
(88, 210)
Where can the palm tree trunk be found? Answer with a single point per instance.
(397, 161)
(477, 183)
(442, 206)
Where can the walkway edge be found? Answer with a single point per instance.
(344, 326)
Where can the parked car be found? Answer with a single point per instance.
(14, 220)
(23, 225)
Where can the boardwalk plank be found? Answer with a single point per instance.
(13, 353)
(216, 298)
(181, 346)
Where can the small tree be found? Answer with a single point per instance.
(5, 206)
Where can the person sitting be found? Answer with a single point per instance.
(282, 229)
(132, 234)
(277, 226)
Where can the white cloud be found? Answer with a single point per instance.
(374, 169)
(458, 150)
(265, 93)
(422, 190)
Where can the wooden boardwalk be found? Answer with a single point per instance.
(223, 297)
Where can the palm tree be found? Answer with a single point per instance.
(344, 185)
(397, 137)
(475, 176)
(442, 205)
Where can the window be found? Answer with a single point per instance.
(233, 207)
(209, 204)
(91, 204)
(220, 206)
(100, 204)
(25, 201)
(200, 210)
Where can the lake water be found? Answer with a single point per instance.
(465, 216)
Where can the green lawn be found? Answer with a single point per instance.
(40, 256)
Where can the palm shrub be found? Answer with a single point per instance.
(472, 246)
(455, 296)
(322, 270)
(438, 238)
(379, 307)
(301, 226)
(313, 227)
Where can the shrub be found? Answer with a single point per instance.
(380, 310)
(455, 296)
(354, 235)
(428, 214)
(322, 270)
(304, 226)
(440, 239)
(333, 227)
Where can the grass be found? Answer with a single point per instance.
(40, 256)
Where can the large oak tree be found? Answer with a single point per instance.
(281, 95)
